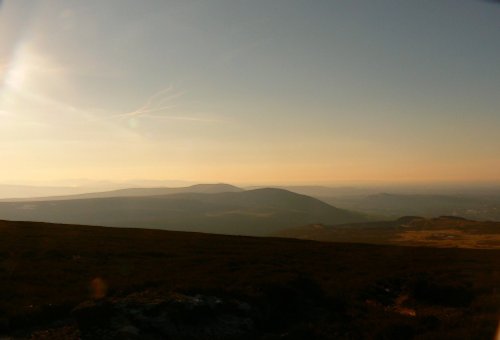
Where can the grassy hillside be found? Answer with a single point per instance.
(445, 231)
(285, 289)
(253, 212)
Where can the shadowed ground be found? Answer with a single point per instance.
(289, 288)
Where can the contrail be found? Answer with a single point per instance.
(186, 118)
(170, 98)
(155, 103)
(148, 103)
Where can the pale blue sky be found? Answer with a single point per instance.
(250, 91)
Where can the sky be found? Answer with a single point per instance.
(256, 91)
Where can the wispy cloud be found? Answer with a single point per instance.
(158, 105)
(160, 101)
(187, 118)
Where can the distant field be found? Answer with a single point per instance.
(443, 232)
(292, 288)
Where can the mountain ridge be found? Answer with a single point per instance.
(253, 212)
(134, 192)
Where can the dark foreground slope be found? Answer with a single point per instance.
(253, 212)
(444, 231)
(61, 281)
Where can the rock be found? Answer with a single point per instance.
(149, 315)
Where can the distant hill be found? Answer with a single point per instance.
(137, 192)
(323, 191)
(25, 191)
(476, 207)
(252, 212)
(444, 231)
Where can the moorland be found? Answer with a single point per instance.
(70, 282)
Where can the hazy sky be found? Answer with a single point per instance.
(252, 91)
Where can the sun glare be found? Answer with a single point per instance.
(26, 66)
(18, 69)
(16, 76)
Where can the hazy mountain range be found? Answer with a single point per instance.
(388, 205)
(218, 208)
(224, 208)
(136, 192)
(473, 202)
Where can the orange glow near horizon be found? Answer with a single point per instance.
(249, 114)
